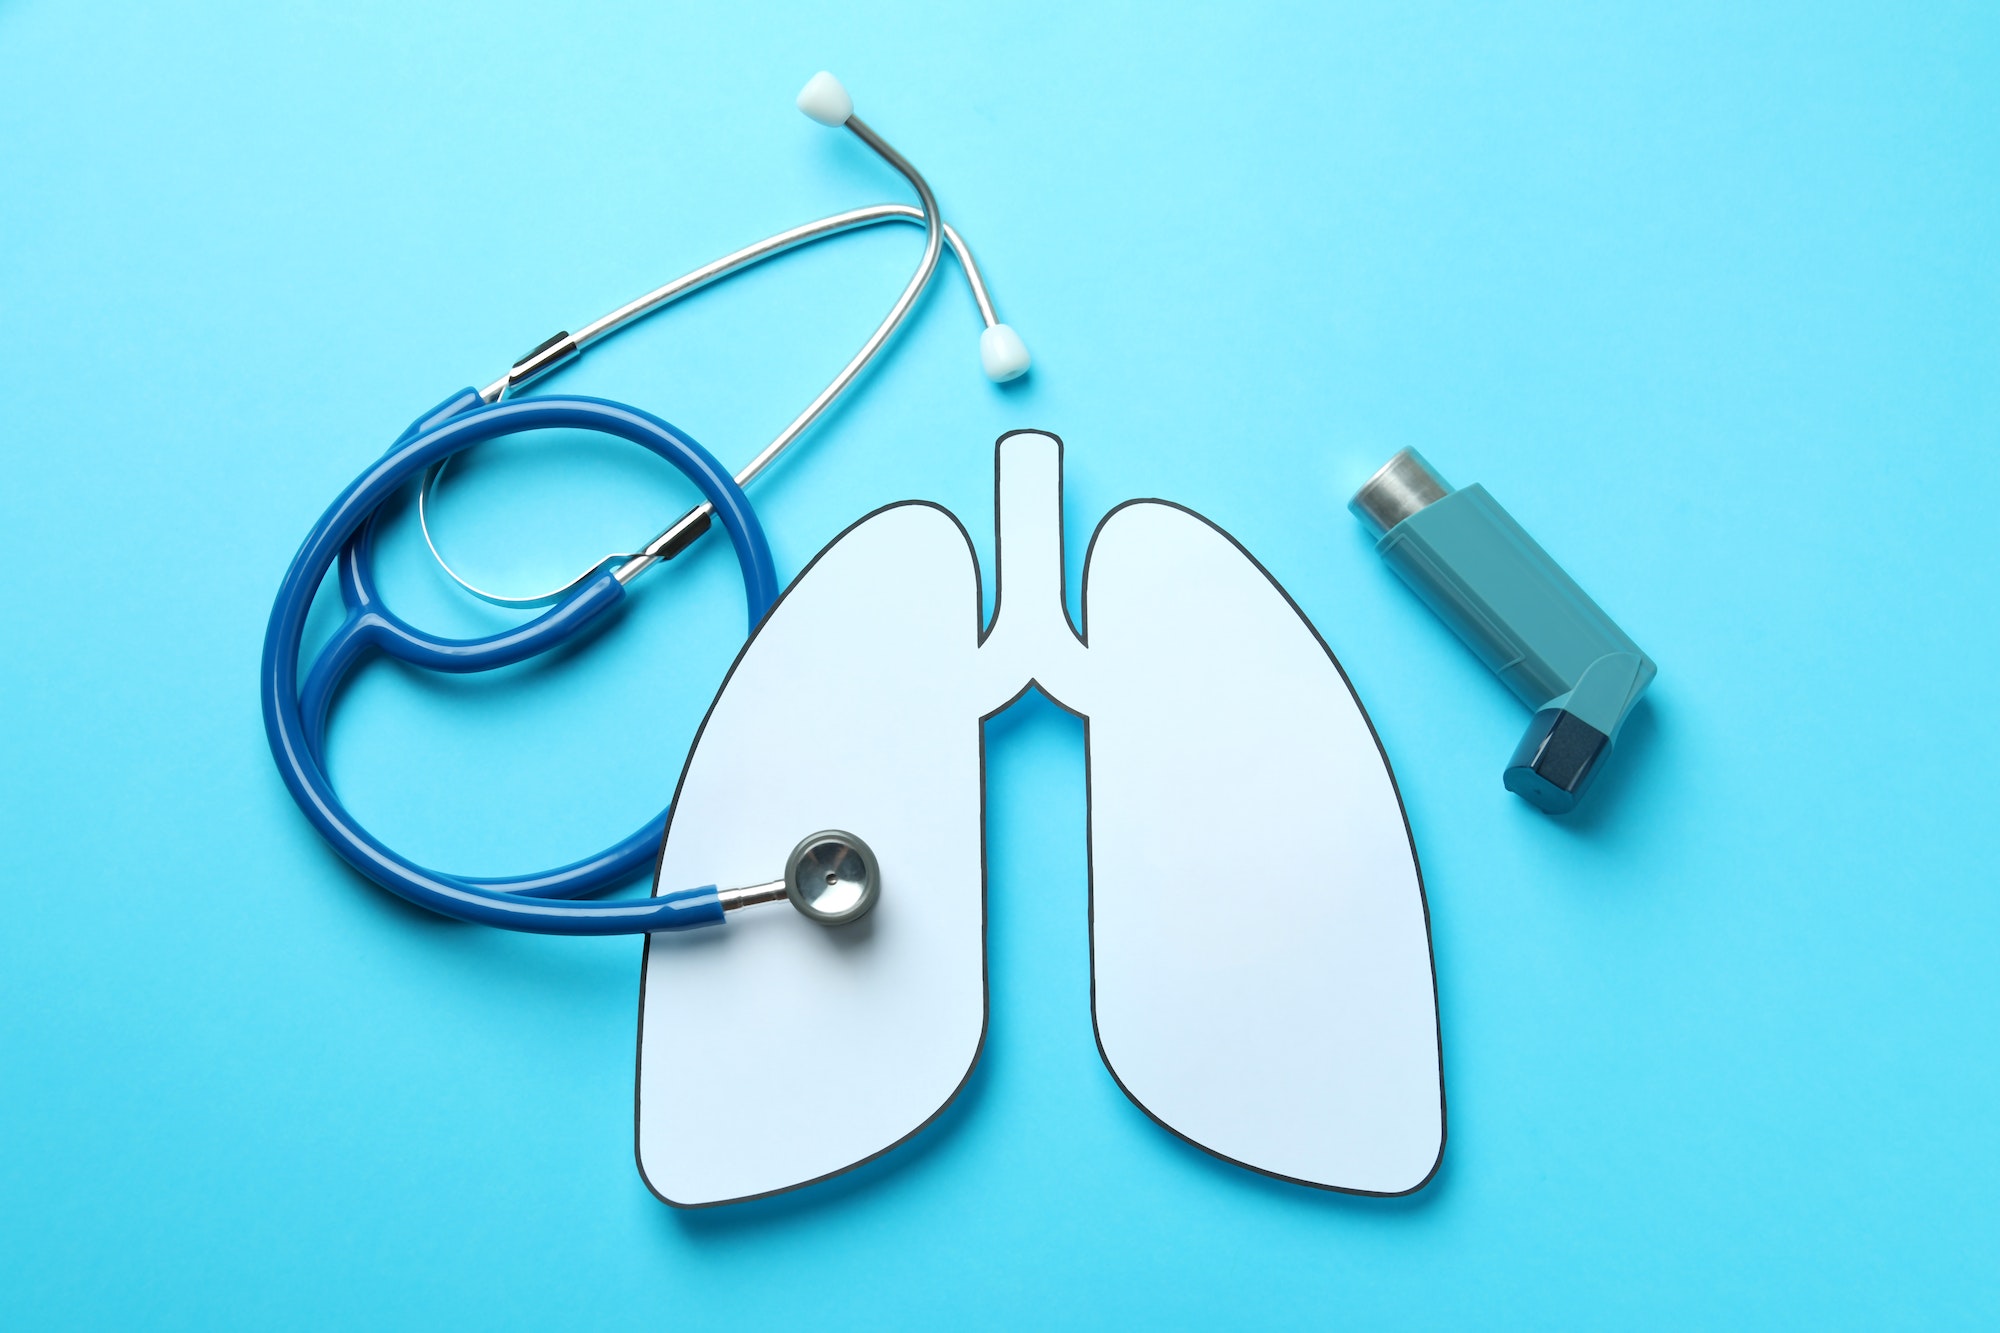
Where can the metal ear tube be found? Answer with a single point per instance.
(1527, 620)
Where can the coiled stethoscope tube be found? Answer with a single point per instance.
(832, 877)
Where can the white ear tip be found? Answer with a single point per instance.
(1003, 354)
(825, 100)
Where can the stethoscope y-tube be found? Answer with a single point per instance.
(295, 719)
(832, 876)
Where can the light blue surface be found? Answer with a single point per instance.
(1710, 300)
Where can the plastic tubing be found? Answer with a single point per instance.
(295, 719)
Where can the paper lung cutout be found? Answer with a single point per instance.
(1260, 950)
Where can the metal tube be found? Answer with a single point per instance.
(731, 264)
(773, 246)
(933, 244)
(565, 347)
(751, 896)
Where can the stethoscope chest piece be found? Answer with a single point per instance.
(832, 878)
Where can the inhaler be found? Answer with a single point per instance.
(1526, 619)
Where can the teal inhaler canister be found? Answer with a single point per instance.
(1515, 607)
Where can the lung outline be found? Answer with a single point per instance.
(1432, 1149)
(1070, 682)
(773, 920)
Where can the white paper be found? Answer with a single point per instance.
(1260, 954)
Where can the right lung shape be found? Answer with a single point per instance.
(1260, 955)
(1261, 977)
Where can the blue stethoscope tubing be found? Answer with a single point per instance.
(295, 716)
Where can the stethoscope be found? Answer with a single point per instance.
(832, 876)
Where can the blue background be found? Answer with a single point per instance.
(1710, 299)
